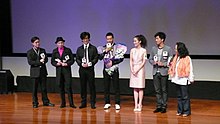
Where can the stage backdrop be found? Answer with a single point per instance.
(193, 21)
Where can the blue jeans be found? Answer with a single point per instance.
(183, 99)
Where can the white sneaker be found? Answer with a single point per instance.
(107, 106)
(117, 107)
(135, 110)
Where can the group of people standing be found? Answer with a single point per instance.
(161, 58)
(62, 58)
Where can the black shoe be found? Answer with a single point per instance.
(62, 106)
(163, 110)
(72, 106)
(82, 106)
(35, 106)
(93, 106)
(49, 104)
(157, 110)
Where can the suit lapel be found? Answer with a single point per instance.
(58, 54)
(89, 52)
(35, 55)
(41, 52)
(64, 53)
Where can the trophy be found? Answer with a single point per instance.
(58, 60)
(165, 55)
(84, 60)
(42, 55)
(108, 46)
(66, 58)
(155, 58)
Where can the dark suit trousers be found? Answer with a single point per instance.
(87, 75)
(42, 81)
(161, 89)
(65, 86)
(107, 81)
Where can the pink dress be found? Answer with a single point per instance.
(138, 81)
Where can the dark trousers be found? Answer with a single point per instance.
(183, 99)
(87, 75)
(107, 81)
(42, 81)
(161, 89)
(65, 86)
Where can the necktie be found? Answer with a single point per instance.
(36, 51)
(85, 53)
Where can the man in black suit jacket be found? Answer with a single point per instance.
(62, 59)
(109, 53)
(37, 59)
(86, 58)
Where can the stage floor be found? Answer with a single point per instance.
(17, 108)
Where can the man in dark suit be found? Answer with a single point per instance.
(37, 59)
(111, 76)
(62, 59)
(86, 58)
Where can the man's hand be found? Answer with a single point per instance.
(160, 63)
(109, 64)
(59, 63)
(64, 64)
(85, 65)
(42, 60)
(108, 49)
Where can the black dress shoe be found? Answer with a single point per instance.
(35, 106)
(62, 106)
(163, 110)
(93, 106)
(72, 106)
(82, 106)
(49, 104)
(157, 110)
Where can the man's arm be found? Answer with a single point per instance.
(32, 61)
(96, 56)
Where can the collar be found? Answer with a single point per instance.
(62, 48)
(84, 45)
(161, 47)
(36, 48)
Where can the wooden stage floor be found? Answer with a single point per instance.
(17, 108)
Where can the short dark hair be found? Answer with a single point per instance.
(109, 34)
(34, 38)
(84, 34)
(142, 39)
(161, 35)
(182, 50)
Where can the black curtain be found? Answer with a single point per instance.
(5, 30)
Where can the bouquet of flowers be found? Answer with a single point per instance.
(118, 52)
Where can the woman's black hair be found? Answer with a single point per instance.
(182, 50)
(142, 39)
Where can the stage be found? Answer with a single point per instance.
(17, 108)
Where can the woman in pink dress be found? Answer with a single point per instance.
(138, 56)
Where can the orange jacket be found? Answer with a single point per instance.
(183, 69)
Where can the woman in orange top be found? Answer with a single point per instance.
(181, 72)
